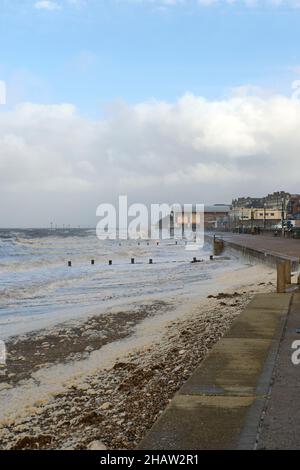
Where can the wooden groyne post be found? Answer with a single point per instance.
(288, 271)
(281, 277)
(218, 246)
(284, 275)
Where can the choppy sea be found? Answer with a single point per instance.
(37, 288)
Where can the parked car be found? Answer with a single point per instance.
(296, 232)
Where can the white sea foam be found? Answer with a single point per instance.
(48, 381)
(38, 289)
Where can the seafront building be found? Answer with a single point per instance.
(215, 217)
(276, 200)
(265, 212)
(293, 207)
(262, 217)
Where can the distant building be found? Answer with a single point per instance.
(293, 207)
(215, 216)
(246, 202)
(265, 211)
(277, 200)
(256, 217)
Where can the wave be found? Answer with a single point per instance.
(35, 280)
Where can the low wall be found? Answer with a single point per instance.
(269, 258)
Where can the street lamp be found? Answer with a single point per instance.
(264, 216)
(282, 215)
(242, 219)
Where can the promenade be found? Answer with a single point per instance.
(265, 247)
(245, 393)
(281, 423)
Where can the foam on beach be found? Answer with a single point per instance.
(38, 289)
(52, 380)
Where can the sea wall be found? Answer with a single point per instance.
(268, 258)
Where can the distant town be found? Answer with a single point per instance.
(278, 212)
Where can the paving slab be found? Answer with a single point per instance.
(258, 323)
(232, 368)
(275, 302)
(200, 423)
(263, 318)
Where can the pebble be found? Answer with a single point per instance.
(92, 393)
(83, 387)
(97, 445)
(5, 386)
(105, 406)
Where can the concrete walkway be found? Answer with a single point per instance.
(265, 247)
(221, 406)
(281, 425)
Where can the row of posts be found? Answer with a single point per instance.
(110, 262)
(132, 261)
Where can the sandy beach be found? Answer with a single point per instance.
(102, 382)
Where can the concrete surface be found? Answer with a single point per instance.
(281, 424)
(231, 369)
(222, 404)
(267, 248)
(288, 247)
(199, 423)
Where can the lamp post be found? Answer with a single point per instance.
(282, 216)
(264, 216)
(242, 219)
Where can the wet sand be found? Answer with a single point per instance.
(150, 350)
(64, 343)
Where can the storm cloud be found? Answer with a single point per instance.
(57, 165)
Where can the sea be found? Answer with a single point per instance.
(38, 288)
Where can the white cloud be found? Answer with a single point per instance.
(77, 3)
(165, 4)
(208, 3)
(193, 150)
(47, 5)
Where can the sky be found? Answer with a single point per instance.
(190, 101)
